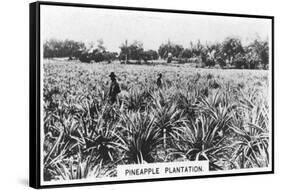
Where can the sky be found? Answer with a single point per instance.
(151, 28)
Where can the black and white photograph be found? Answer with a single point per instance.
(139, 94)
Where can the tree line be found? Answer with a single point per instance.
(229, 53)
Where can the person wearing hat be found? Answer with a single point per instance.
(159, 80)
(114, 88)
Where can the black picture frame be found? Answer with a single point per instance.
(34, 91)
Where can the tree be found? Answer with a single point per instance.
(136, 50)
(62, 48)
(213, 55)
(230, 48)
(186, 54)
(101, 48)
(124, 53)
(133, 51)
(149, 55)
(258, 53)
(97, 54)
(241, 62)
(170, 47)
(197, 49)
(110, 56)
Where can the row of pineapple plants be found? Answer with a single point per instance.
(197, 118)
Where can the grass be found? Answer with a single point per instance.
(199, 114)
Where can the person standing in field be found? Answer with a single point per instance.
(114, 88)
(159, 80)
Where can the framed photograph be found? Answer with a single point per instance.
(127, 94)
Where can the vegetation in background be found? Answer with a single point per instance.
(228, 54)
(62, 48)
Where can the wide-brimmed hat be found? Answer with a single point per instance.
(112, 75)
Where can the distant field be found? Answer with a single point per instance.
(199, 114)
(233, 76)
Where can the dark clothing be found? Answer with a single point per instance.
(114, 91)
(159, 82)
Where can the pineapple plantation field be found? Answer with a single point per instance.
(199, 114)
